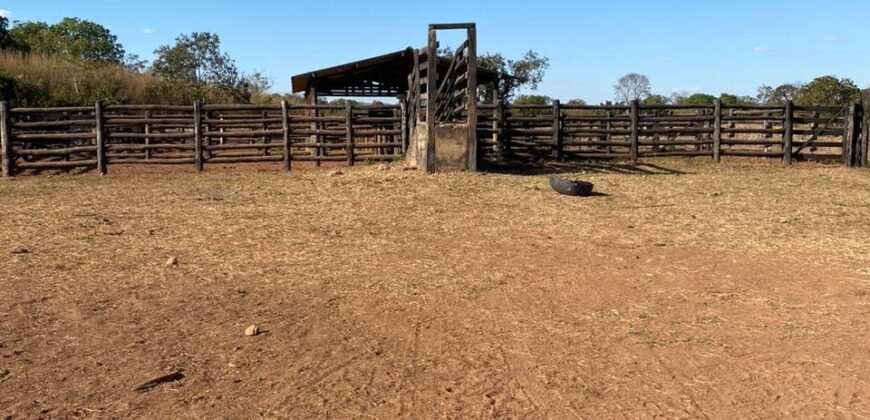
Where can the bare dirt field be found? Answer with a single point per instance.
(686, 290)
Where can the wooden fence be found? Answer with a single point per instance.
(787, 132)
(103, 135)
(36, 139)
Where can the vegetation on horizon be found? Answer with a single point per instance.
(77, 62)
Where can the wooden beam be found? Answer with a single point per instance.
(635, 128)
(348, 130)
(717, 130)
(8, 160)
(197, 135)
(787, 133)
(471, 103)
(285, 128)
(100, 133)
(431, 93)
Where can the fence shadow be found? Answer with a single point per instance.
(551, 168)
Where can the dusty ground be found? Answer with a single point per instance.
(689, 290)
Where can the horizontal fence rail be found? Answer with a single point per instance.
(106, 135)
(787, 132)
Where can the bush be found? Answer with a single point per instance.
(39, 80)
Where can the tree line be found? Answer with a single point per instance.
(823, 90)
(76, 62)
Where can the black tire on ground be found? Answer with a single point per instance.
(569, 187)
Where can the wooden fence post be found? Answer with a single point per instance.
(100, 133)
(348, 132)
(635, 129)
(731, 124)
(848, 134)
(853, 144)
(787, 133)
(471, 101)
(147, 132)
(863, 160)
(496, 123)
(285, 128)
(858, 148)
(557, 130)
(267, 140)
(428, 155)
(717, 130)
(197, 135)
(609, 137)
(8, 160)
(403, 125)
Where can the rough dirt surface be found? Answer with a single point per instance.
(689, 290)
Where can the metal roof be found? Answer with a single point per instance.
(383, 75)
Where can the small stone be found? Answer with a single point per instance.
(383, 167)
(172, 262)
(335, 173)
(232, 365)
(20, 250)
(252, 331)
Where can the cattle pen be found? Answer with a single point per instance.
(99, 136)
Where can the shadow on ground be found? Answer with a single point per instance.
(549, 168)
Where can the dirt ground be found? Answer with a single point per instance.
(686, 290)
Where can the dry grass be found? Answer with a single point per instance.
(52, 81)
(689, 289)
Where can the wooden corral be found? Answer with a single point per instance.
(104, 135)
(569, 132)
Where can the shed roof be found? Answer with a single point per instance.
(383, 75)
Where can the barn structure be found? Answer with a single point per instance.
(441, 126)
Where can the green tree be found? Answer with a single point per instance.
(731, 99)
(196, 68)
(524, 73)
(655, 99)
(6, 40)
(778, 95)
(71, 38)
(827, 91)
(698, 99)
(533, 100)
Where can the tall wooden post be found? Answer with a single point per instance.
(197, 135)
(635, 129)
(608, 126)
(557, 130)
(472, 97)
(100, 133)
(147, 132)
(848, 134)
(403, 124)
(788, 124)
(497, 119)
(8, 160)
(431, 94)
(313, 112)
(285, 135)
(266, 139)
(348, 132)
(717, 130)
(864, 157)
(731, 124)
(853, 144)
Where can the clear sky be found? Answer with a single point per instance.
(682, 46)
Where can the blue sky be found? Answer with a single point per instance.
(682, 46)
